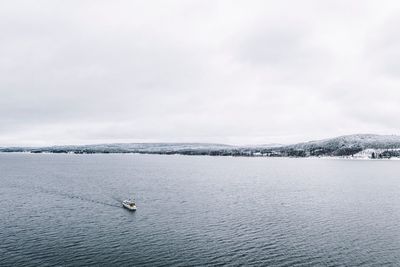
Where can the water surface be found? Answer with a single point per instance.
(64, 210)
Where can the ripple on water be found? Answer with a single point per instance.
(194, 211)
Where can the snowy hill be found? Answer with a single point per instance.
(357, 140)
(358, 146)
(346, 145)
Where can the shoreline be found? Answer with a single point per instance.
(198, 155)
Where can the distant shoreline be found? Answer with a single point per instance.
(194, 155)
(359, 146)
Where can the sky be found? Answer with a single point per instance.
(235, 72)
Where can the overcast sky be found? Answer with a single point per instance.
(237, 72)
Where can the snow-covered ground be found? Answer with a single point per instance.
(367, 153)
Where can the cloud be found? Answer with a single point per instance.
(204, 71)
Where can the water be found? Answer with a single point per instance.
(64, 210)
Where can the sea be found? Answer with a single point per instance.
(65, 210)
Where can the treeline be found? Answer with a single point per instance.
(287, 151)
(387, 154)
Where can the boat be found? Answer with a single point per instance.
(129, 204)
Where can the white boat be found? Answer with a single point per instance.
(129, 204)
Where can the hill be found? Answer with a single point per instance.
(345, 145)
(359, 145)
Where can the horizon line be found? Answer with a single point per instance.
(194, 142)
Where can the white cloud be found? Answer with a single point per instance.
(206, 71)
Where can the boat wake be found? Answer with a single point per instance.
(73, 196)
(119, 200)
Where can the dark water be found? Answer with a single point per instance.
(64, 210)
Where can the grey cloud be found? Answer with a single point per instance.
(275, 46)
(206, 71)
(383, 48)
